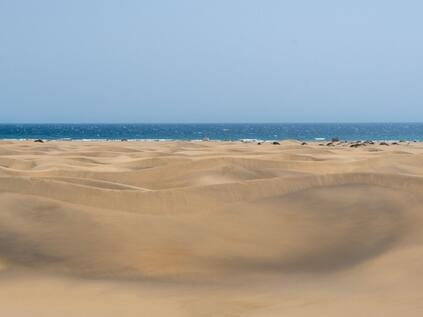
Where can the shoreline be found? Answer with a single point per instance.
(320, 140)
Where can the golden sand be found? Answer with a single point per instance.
(210, 229)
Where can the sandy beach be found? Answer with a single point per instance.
(210, 229)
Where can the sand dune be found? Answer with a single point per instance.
(210, 229)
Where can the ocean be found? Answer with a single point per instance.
(215, 131)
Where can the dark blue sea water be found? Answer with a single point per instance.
(218, 131)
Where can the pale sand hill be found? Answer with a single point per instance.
(210, 229)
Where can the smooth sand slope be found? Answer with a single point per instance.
(210, 229)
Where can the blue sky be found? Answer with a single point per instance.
(211, 61)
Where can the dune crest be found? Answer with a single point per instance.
(254, 230)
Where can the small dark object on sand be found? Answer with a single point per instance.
(258, 143)
(39, 141)
(383, 143)
(276, 143)
(369, 142)
(394, 143)
(304, 143)
(357, 144)
(330, 144)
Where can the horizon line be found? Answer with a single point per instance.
(223, 122)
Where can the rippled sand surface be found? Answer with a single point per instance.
(210, 229)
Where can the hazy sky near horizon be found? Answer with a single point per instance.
(211, 61)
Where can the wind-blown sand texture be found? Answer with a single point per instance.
(210, 229)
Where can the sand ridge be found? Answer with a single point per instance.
(221, 228)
